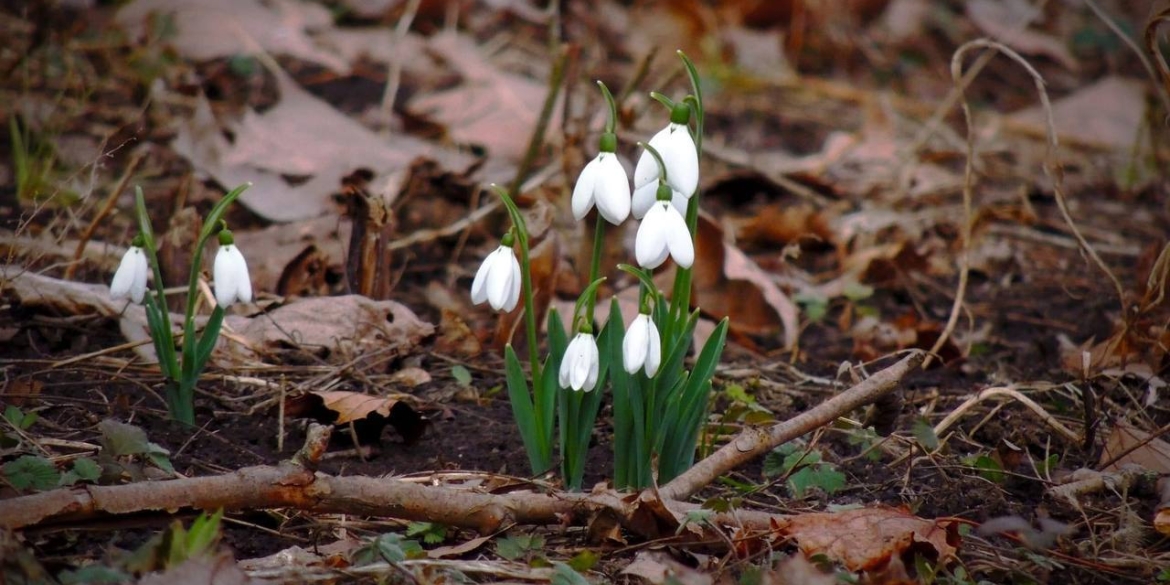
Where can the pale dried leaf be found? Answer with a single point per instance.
(1148, 452)
(351, 406)
(270, 250)
(658, 568)
(350, 324)
(491, 108)
(869, 539)
(1001, 19)
(738, 266)
(378, 44)
(1110, 114)
(212, 29)
(304, 137)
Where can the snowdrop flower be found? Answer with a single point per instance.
(603, 181)
(498, 279)
(679, 156)
(663, 233)
(642, 347)
(230, 272)
(130, 278)
(580, 364)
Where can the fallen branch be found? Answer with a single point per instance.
(754, 442)
(295, 484)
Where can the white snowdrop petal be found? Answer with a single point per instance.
(634, 345)
(678, 238)
(583, 191)
(650, 244)
(654, 351)
(225, 289)
(130, 277)
(516, 281)
(498, 283)
(681, 160)
(244, 280)
(563, 374)
(479, 285)
(647, 169)
(643, 199)
(612, 190)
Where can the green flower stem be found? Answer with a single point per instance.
(521, 231)
(595, 264)
(681, 296)
(657, 159)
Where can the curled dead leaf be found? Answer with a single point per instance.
(369, 414)
(870, 539)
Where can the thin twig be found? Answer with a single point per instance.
(754, 442)
(1052, 168)
(394, 74)
(997, 392)
(106, 208)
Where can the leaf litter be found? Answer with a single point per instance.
(880, 188)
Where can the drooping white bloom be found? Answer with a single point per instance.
(580, 364)
(603, 181)
(498, 280)
(130, 278)
(663, 233)
(679, 155)
(232, 282)
(642, 346)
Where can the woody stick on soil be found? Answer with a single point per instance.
(294, 485)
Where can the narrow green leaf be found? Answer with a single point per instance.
(164, 342)
(207, 342)
(623, 421)
(204, 533)
(523, 411)
(681, 439)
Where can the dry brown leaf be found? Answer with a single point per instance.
(301, 137)
(798, 570)
(378, 44)
(491, 108)
(728, 283)
(458, 550)
(1162, 514)
(1001, 19)
(276, 252)
(335, 327)
(658, 568)
(1143, 449)
(455, 337)
(1110, 114)
(212, 29)
(870, 539)
(368, 414)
